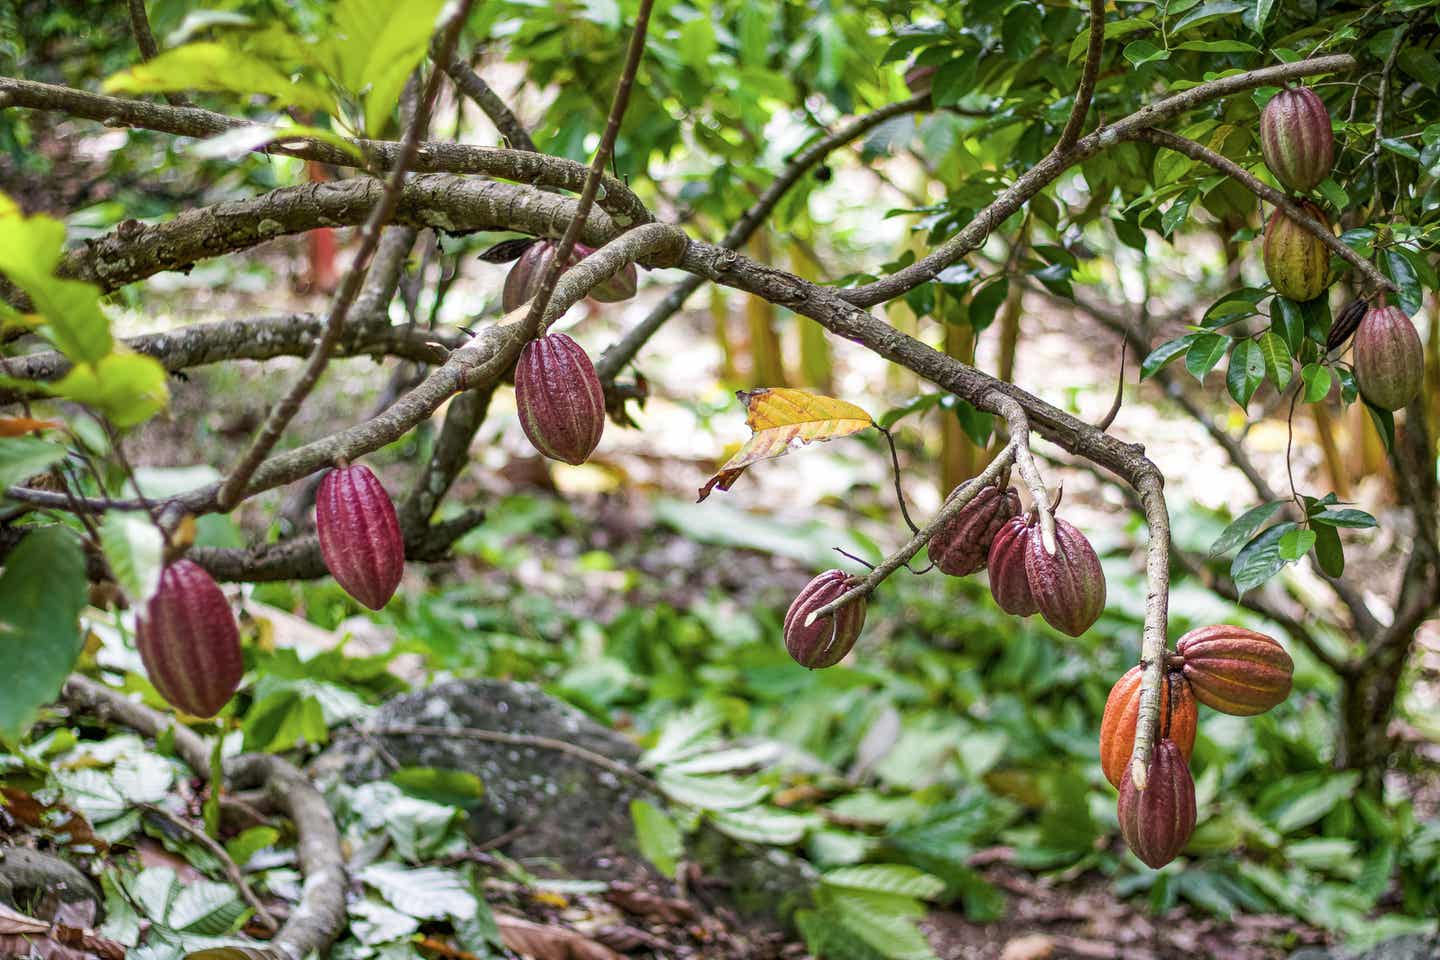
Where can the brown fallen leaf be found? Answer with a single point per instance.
(642, 903)
(549, 942)
(25, 936)
(56, 819)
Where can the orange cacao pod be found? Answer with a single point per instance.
(359, 534)
(1178, 719)
(825, 642)
(1009, 583)
(961, 546)
(1157, 822)
(559, 397)
(1235, 670)
(189, 641)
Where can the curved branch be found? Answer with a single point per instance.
(1086, 92)
(1195, 151)
(522, 166)
(1019, 424)
(474, 86)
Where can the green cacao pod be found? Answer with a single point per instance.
(825, 642)
(961, 546)
(359, 534)
(1389, 360)
(559, 398)
(1157, 822)
(189, 641)
(1009, 583)
(1179, 718)
(1296, 139)
(1068, 585)
(1234, 670)
(616, 287)
(1297, 261)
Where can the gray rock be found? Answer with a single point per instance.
(1408, 947)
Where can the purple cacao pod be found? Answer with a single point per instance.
(1009, 583)
(1389, 360)
(825, 642)
(189, 641)
(1157, 822)
(1296, 139)
(961, 546)
(558, 395)
(617, 287)
(1068, 586)
(1297, 261)
(359, 533)
(523, 280)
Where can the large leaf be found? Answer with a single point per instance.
(1260, 559)
(886, 878)
(659, 838)
(428, 892)
(207, 66)
(1243, 527)
(780, 418)
(134, 549)
(376, 44)
(1246, 372)
(24, 457)
(767, 825)
(42, 592)
(129, 388)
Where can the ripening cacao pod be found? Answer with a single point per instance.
(523, 280)
(1009, 583)
(1068, 585)
(1157, 822)
(1296, 139)
(961, 546)
(359, 534)
(919, 79)
(1389, 360)
(1297, 261)
(558, 394)
(1179, 718)
(1234, 670)
(825, 642)
(189, 641)
(616, 287)
(1347, 321)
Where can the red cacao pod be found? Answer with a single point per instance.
(1296, 139)
(1068, 585)
(189, 641)
(1389, 360)
(961, 546)
(825, 642)
(558, 394)
(359, 533)
(523, 280)
(1234, 670)
(1157, 822)
(1179, 718)
(1297, 261)
(616, 287)
(1009, 583)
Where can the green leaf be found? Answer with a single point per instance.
(711, 793)
(1243, 527)
(923, 402)
(1217, 46)
(250, 842)
(1296, 802)
(42, 592)
(659, 838)
(1384, 422)
(1246, 372)
(450, 788)
(377, 44)
(1205, 352)
(206, 907)
(134, 549)
(1163, 354)
(1260, 559)
(1328, 551)
(1279, 366)
(1287, 318)
(884, 921)
(23, 457)
(428, 892)
(767, 825)
(1410, 293)
(886, 878)
(30, 252)
(1347, 517)
(987, 302)
(128, 388)
(1141, 52)
(215, 67)
(1317, 382)
(1296, 543)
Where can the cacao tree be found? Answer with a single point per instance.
(1046, 141)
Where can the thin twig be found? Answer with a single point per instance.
(1088, 75)
(233, 489)
(474, 86)
(232, 870)
(1114, 410)
(899, 490)
(1019, 424)
(149, 49)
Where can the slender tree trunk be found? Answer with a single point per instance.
(767, 366)
(815, 362)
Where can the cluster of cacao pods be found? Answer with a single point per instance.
(1299, 148)
(189, 640)
(1227, 668)
(523, 280)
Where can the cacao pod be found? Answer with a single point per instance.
(1389, 360)
(1179, 718)
(825, 642)
(1297, 261)
(1296, 139)
(1234, 670)
(189, 641)
(1157, 822)
(359, 534)
(558, 395)
(616, 287)
(523, 280)
(961, 546)
(1009, 583)
(1068, 586)
(1347, 321)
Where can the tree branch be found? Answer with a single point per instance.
(1088, 75)
(474, 86)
